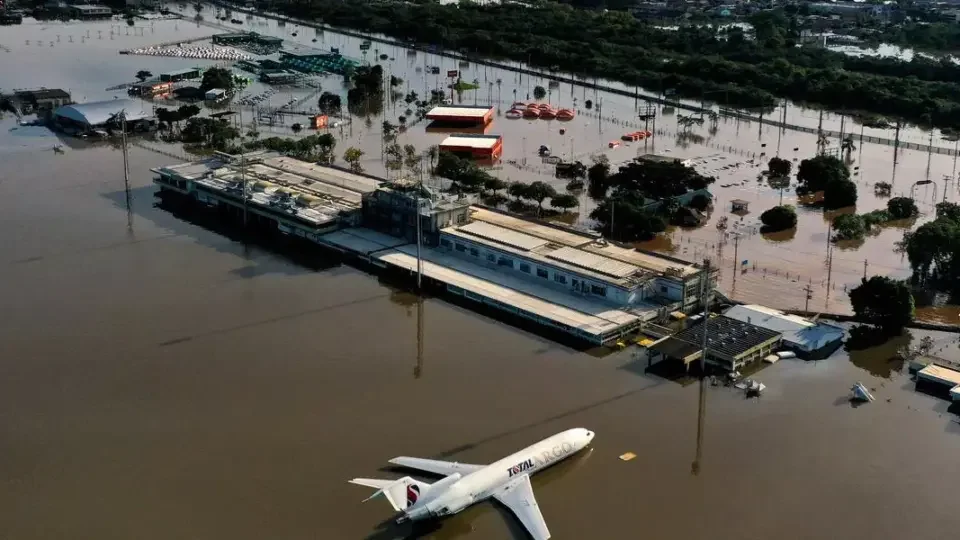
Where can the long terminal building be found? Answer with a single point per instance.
(567, 280)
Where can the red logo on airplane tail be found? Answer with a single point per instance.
(413, 494)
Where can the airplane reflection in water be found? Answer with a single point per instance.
(506, 480)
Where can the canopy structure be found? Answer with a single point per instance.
(98, 113)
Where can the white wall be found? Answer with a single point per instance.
(615, 295)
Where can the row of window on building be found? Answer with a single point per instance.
(527, 268)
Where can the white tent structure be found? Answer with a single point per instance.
(802, 335)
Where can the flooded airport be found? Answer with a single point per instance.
(163, 377)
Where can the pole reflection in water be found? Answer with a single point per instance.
(418, 369)
(701, 416)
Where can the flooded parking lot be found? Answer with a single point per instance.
(161, 379)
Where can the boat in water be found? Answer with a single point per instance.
(860, 393)
(514, 114)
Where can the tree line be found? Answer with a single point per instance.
(694, 61)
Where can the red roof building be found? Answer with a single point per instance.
(480, 147)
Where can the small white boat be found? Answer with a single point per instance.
(860, 393)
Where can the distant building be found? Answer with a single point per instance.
(215, 94)
(280, 77)
(89, 12)
(472, 116)
(574, 262)
(480, 147)
(661, 158)
(86, 117)
(392, 209)
(41, 99)
(731, 344)
(150, 89)
(303, 199)
(808, 339)
(188, 74)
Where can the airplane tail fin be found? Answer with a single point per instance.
(401, 494)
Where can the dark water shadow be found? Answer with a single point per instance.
(779, 236)
(871, 350)
(184, 217)
(525, 427)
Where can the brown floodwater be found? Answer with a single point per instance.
(159, 378)
(162, 380)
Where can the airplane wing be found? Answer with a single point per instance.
(435, 466)
(518, 497)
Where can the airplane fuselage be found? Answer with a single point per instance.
(455, 493)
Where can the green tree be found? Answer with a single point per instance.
(779, 218)
(412, 159)
(519, 190)
(934, 251)
(622, 217)
(539, 92)
(143, 75)
(329, 103)
(216, 77)
(816, 173)
(394, 155)
(884, 302)
(564, 201)
(326, 145)
(539, 191)
(185, 112)
(902, 208)
(839, 194)
(701, 202)
(949, 211)
(352, 156)
(848, 227)
(779, 167)
(598, 180)
(494, 184)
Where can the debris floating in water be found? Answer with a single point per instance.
(628, 456)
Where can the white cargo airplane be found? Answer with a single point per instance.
(506, 480)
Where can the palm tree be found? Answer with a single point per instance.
(433, 152)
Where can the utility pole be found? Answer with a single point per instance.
(418, 369)
(705, 298)
(419, 236)
(864, 269)
(126, 168)
(809, 295)
(736, 253)
(243, 169)
(829, 259)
